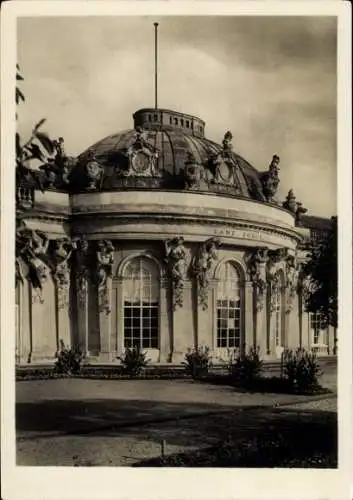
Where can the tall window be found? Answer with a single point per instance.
(318, 328)
(141, 304)
(229, 308)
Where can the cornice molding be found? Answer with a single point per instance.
(204, 221)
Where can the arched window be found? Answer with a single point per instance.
(141, 304)
(229, 307)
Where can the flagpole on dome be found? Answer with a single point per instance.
(156, 65)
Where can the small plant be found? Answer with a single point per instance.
(301, 369)
(133, 360)
(197, 362)
(245, 368)
(69, 360)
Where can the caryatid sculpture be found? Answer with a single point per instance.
(62, 253)
(203, 263)
(176, 261)
(105, 261)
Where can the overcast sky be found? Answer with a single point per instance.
(270, 80)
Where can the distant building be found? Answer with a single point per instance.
(159, 237)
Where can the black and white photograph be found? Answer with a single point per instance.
(176, 256)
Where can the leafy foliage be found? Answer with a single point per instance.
(134, 361)
(39, 146)
(197, 362)
(301, 370)
(69, 360)
(322, 269)
(245, 368)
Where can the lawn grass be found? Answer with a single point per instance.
(307, 442)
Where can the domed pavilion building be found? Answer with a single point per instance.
(160, 238)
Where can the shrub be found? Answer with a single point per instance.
(133, 361)
(245, 368)
(197, 362)
(69, 360)
(301, 369)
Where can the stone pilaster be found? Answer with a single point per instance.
(262, 334)
(25, 322)
(104, 297)
(183, 336)
(82, 313)
(165, 347)
(248, 323)
(116, 318)
(62, 289)
(292, 326)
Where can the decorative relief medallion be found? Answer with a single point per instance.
(202, 265)
(175, 256)
(142, 157)
(140, 163)
(94, 172)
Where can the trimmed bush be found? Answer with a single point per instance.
(69, 360)
(301, 370)
(197, 362)
(134, 361)
(245, 368)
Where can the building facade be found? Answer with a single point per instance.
(161, 238)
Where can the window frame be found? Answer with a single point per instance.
(241, 318)
(142, 308)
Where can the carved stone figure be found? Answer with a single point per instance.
(62, 253)
(50, 171)
(193, 172)
(105, 261)
(257, 269)
(275, 290)
(142, 157)
(203, 262)
(270, 180)
(227, 143)
(176, 260)
(94, 171)
(37, 249)
(291, 281)
(81, 247)
(290, 202)
(223, 164)
(299, 212)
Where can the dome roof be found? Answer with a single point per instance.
(176, 144)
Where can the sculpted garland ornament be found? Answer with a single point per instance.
(203, 262)
(176, 261)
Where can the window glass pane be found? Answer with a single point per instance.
(228, 307)
(141, 303)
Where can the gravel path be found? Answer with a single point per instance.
(90, 422)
